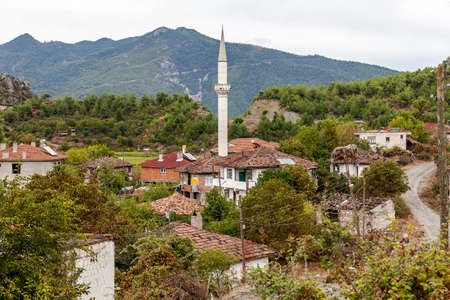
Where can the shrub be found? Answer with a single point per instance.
(401, 209)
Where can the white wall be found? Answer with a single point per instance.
(28, 168)
(99, 274)
(236, 269)
(353, 169)
(395, 139)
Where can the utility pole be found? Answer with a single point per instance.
(364, 207)
(442, 164)
(241, 222)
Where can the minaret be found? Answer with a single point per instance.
(222, 89)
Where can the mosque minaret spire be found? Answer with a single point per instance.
(222, 89)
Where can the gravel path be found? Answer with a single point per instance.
(425, 216)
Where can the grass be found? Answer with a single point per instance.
(134, 157)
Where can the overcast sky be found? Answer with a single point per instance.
(400, 34)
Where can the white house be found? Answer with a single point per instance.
(26, 160)
(98, 270)
(384, 138)
(351, 160)
(255, 254)
(239, 172)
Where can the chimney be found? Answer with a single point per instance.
(33, 144)
(5, 155)
(183, 148)
(24, 155)
(41, 143)
(179, 156)
(2, 146)
(160, 157)
(197, 220)
(14, 147)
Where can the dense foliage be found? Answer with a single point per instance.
(120, 121)
(376, 101)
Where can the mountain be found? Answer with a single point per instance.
(170, 60)
(14, 91)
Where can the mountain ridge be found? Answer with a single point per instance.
(178, 60)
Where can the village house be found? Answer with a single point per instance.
(163, 168)
(196, 178)
(98, 273)
(434, 128)
(256, 255)
(378, 213)
(176, 203)
(26, 160)
(245, 144)
(384, 138)
(110, 162)
(351, 159)
(239, 172)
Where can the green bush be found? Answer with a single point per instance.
(402, 211)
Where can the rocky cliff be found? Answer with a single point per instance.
(13, 90)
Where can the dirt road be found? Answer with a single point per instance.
(425, 216)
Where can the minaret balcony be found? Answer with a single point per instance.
(222, 88)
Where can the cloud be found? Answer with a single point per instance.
(401, 34)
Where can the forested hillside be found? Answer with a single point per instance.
(118, 121)
(181, 60)
(377, 101)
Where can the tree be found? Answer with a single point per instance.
(215, 265)
(238, 129)
(274, 211)
(38, 244)
(220, 215)
(384, 179)
(77, 156)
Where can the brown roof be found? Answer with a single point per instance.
(204, 164)
(245, 144)
(205, 240)
(176, 203)
(342, 201)
(32, 153)
(353, 154)
(108, 161)
(263, 158)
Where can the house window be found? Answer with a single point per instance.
(16, 168)
(229, 173)
(162, 170)
(209, 180)
(401, 136)
(388, 139)
(372, 139)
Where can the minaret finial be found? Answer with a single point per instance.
(222, 50)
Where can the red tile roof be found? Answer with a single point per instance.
(245, 144)
(263, 158)
(205, 164)
(205, 240)
(352, 154)
(169, 162)
(434, 126)
(32, 153)
(108, 161)
(176, 203)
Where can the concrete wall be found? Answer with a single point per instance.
(236, 269)
(99, 274)
(354, 169)
(27, 168)
(395, 139)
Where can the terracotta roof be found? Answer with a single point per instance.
(342, 201)
(169, 161)
(205, 164)
(263, 158)
(32, 153)
(176, 203)
(353, 154)
(205, 240)
(108, 161)
(434, 126)
(245, 144)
